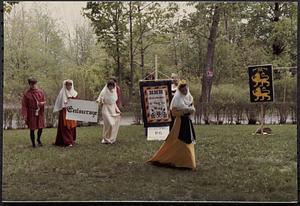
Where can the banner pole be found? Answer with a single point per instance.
(262, 118)
(156, 74)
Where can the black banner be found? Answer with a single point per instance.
(155, 99)
(261, 83)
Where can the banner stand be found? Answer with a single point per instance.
(265, 78)
(262, 118)
(157, 130)
(260, 130)
(261, 91)
(155, 100)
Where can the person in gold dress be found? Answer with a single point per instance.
(178, 149)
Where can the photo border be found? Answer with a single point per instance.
(154, 202)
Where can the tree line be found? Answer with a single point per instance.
(210, 46)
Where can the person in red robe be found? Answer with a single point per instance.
(66, 129)
(33, 104)
(119, 92)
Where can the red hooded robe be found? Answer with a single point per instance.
(30, 102)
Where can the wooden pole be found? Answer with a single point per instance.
(156, 74)
(262, 118)
(284, 88)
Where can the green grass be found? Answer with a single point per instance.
(232, 164)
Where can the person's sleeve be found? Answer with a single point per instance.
(41, 100)
(177, 113)
(117, 109)
(43, 96)
(192, 109)
(100, 99)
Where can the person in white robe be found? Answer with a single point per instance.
(111, 114)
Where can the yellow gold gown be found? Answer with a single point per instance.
(174, 152)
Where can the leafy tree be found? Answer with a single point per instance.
(151, 26)
(85, 62)
(109, 22)
(34, 47)
(122, 39)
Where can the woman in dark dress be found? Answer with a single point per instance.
(66, 129)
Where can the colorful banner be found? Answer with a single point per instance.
(82, 110)
(261, 83)
(155, 99)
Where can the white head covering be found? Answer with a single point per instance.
(63, 96)
(108, 97)
(181, 101)
(173, 75)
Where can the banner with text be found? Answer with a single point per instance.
(157, 133)
(155, 99)
(82, 110)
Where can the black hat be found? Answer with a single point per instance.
(114, 78)
(110, 82)
(32, 80)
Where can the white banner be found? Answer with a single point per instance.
(82, 110)
(157, 133)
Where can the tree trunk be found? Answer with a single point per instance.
(175, 54)
(252, 116)
(141, 42)
(278, 45)
(225, 24)
(119, 75)
(198, 74)
(118, 61)
(107, 68)
(131, 52)
(142, 59)
(208, 66)
(276, 12)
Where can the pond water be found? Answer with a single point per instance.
(129, 120)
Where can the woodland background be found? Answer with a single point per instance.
(122, 38)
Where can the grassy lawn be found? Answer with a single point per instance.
(232, 165)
